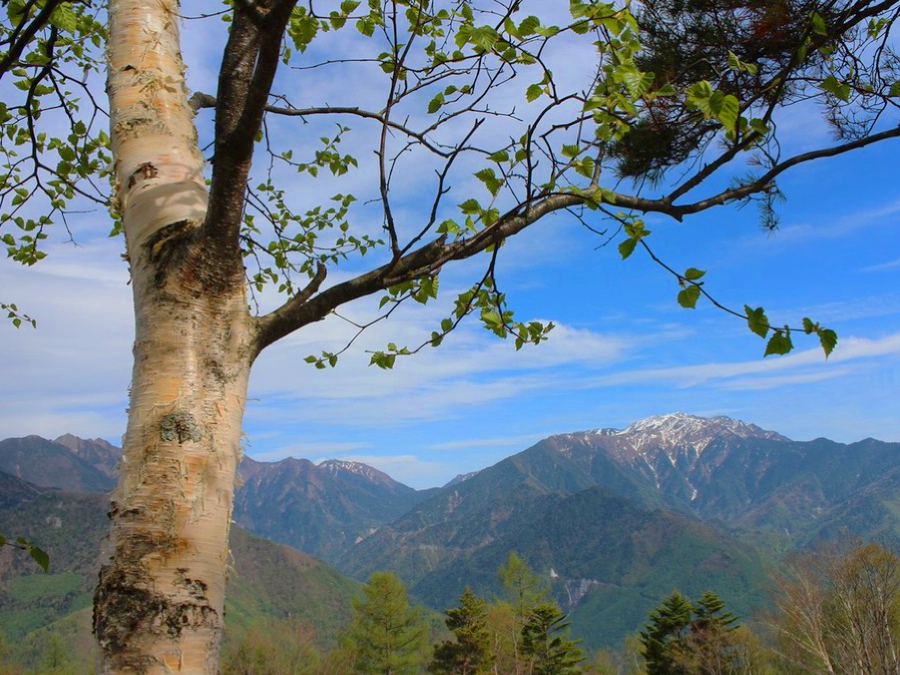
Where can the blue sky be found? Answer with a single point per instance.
(623, 348)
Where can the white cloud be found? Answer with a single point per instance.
(833, 228)
(849, 350)
(774, 381)
(520, 440)
(71, 373)
(471, 368)
(861, 307)
(891, 265)
(330, 449)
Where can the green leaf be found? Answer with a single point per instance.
(529, 26)
(449, 226)
(63, 17)
(382, 360)
(490, 180)
(366, 27)
(759, 126)
(626, 248)
(828, 340)
(692, 274)
(636, 82)
(808, 326)
(491, 319)
(533, 92)
(818, 24)
(688, 296)
(780, 343)
(666, 90)
(436, 103)
(40, 557)
(728, 111)
(837, 89)
(699, 91)
(470, 207)
(757, 320)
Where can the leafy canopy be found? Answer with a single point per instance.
(469, 90)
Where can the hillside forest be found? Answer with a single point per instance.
(831, 611)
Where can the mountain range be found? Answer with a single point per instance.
(612, 518)
(267, 581)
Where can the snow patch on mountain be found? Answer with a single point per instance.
(462, 477)
(336, 466)
(679, 431)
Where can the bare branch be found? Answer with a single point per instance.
(200, 101)
(762, 183)
(248, 70)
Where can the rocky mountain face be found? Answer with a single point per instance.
(49, 464)
(725, 469)
(318, 508)
(97, 452)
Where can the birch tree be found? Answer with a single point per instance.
(839, 612)
(469, 86)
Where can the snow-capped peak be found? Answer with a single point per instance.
(338, 465)
(683, 430)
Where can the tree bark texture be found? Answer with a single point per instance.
(159, 605)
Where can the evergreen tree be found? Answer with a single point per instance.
(545, 641)
(470, 652)
(709, 612)
(685, 638)
(387, 636)
(711, 647)
(663, 638)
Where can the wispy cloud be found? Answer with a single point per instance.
(520, 440)
(775, 381)
(892, 265)
(329, 450)
(769, 372)
(860, 307)
(834, 228)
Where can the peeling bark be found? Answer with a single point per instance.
(159, 603)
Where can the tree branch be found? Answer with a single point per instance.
(20, 41)
(303, 308)
(248, 70)
(425, 260)
(762, 183)
(200, 101)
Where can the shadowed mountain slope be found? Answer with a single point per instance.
(49, 464)
(269, 579)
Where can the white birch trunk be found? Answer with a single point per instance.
(159, 604)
